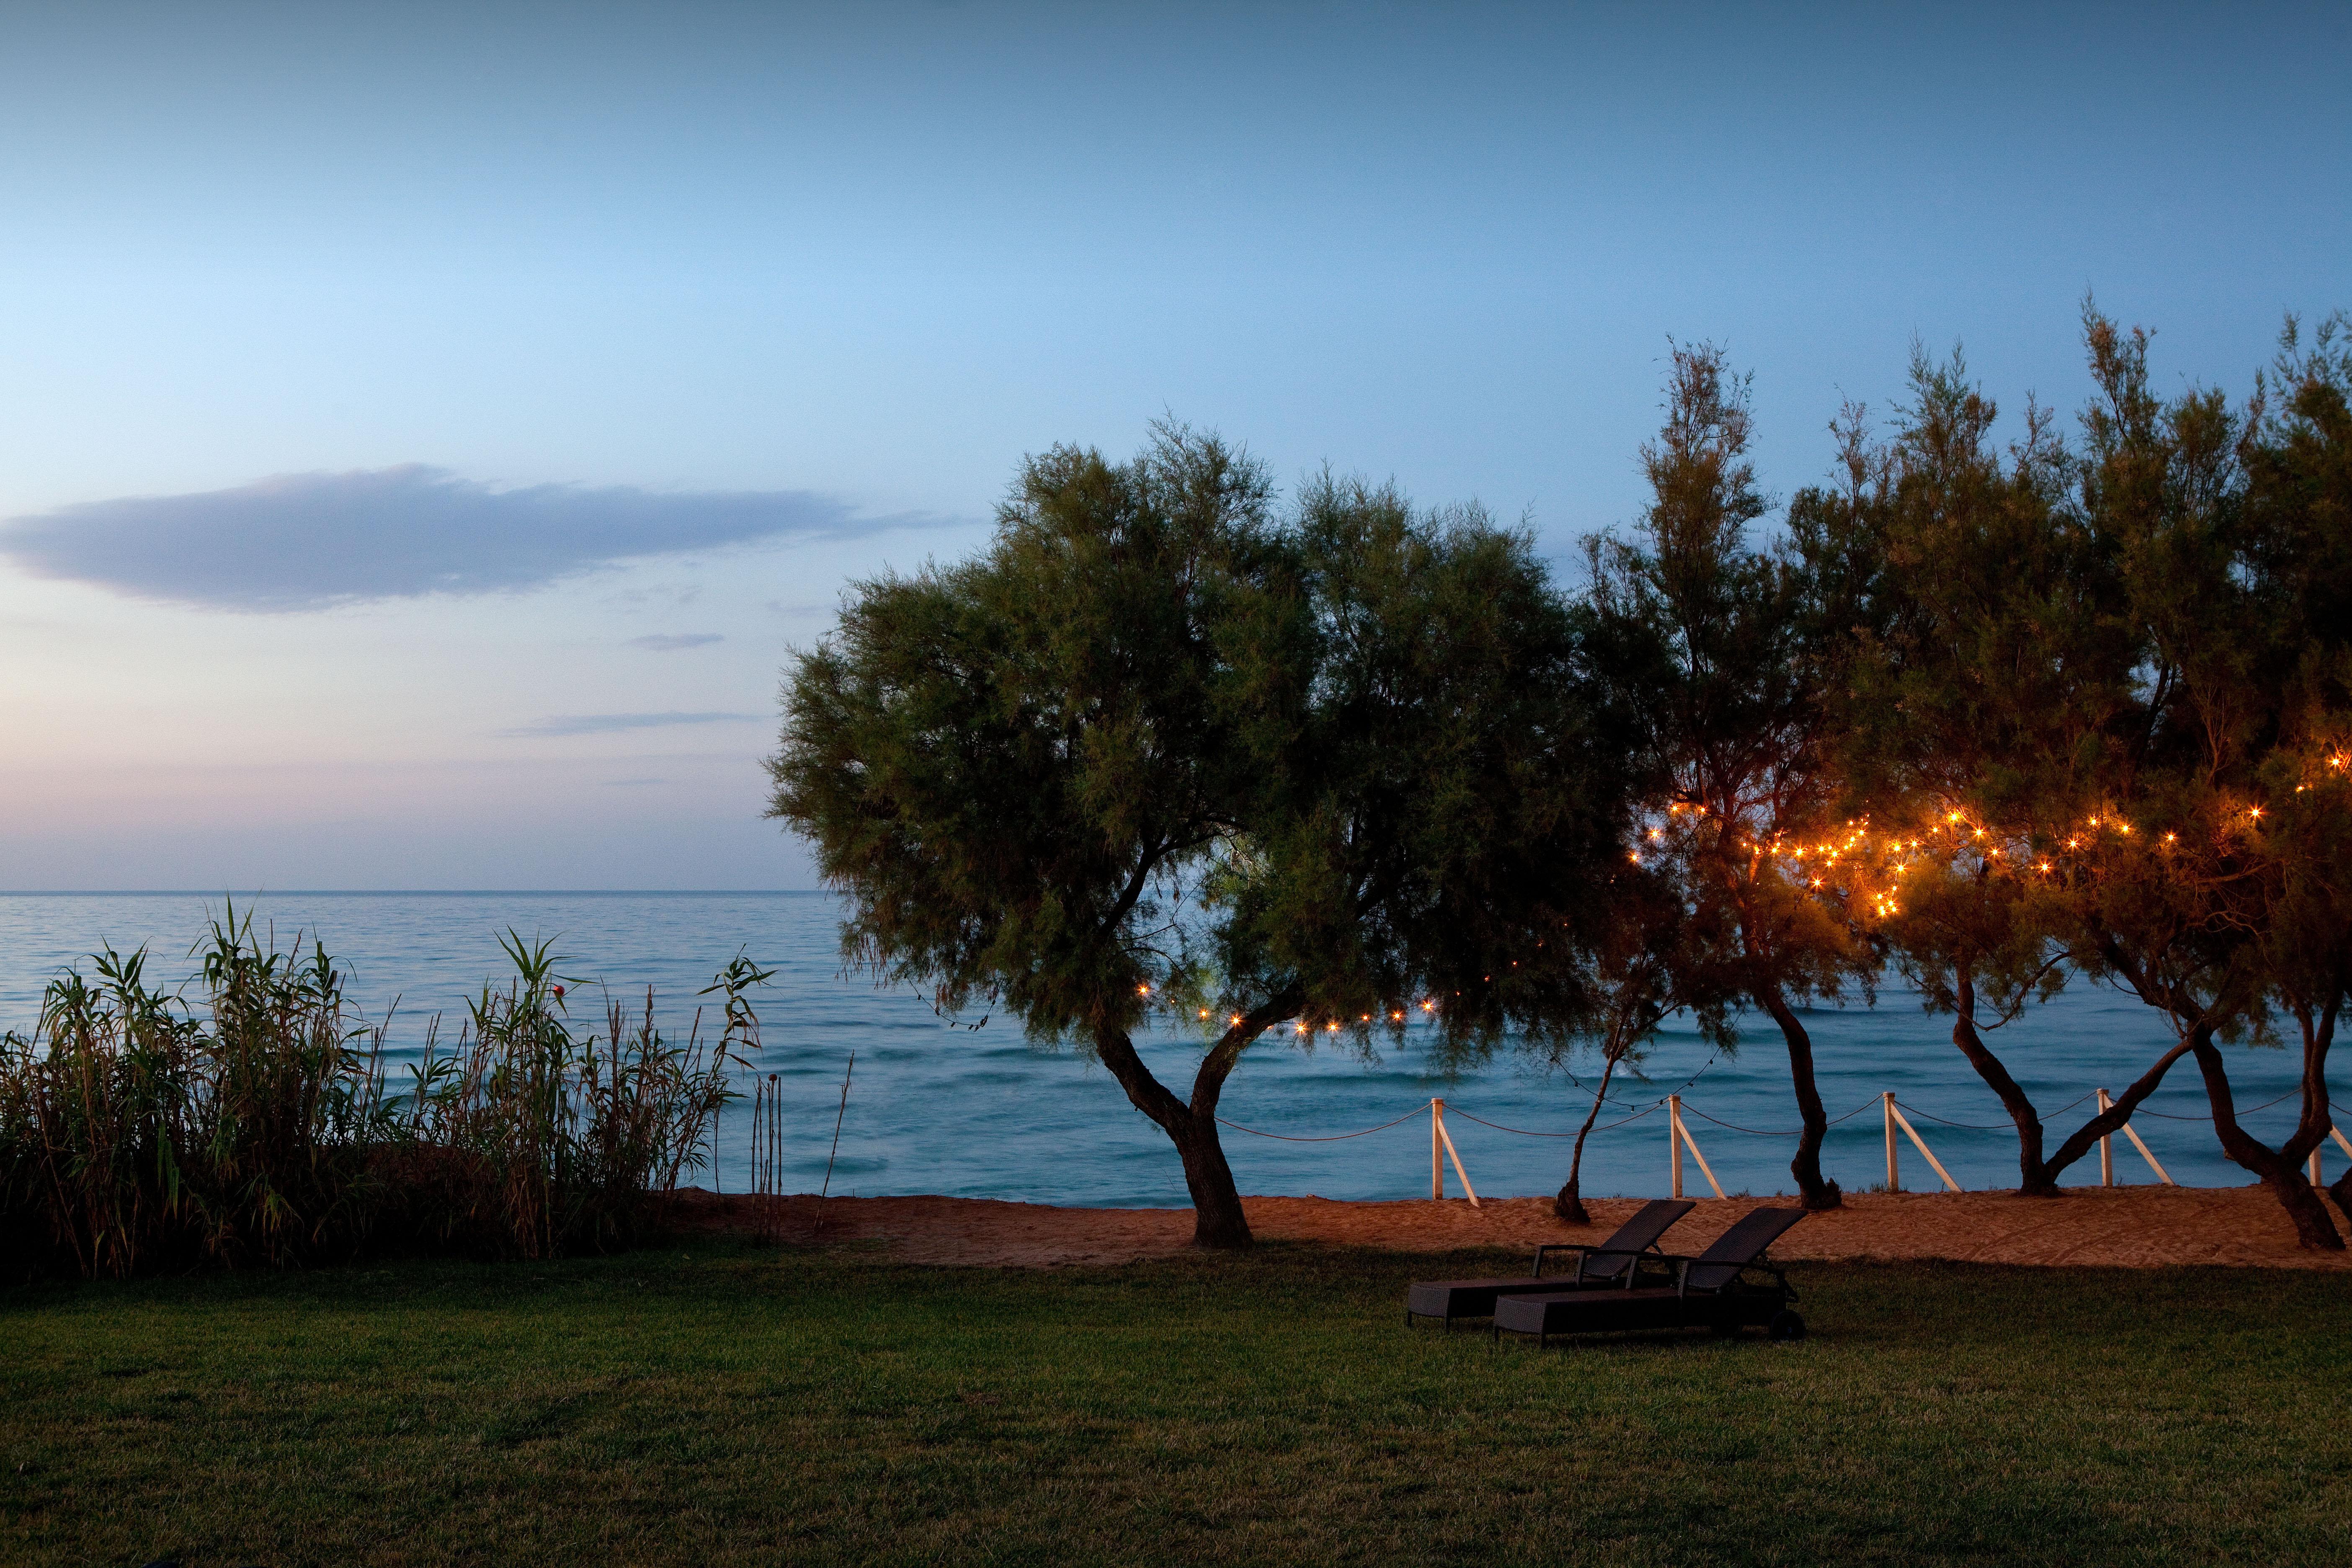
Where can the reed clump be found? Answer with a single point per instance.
(256, 1125)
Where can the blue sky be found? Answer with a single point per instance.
(428, 427)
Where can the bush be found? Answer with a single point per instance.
(138, 1133)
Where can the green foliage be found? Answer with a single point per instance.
(1156, 750)
(138, 1134)
(1016, 761)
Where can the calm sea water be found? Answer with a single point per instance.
(983, 1113)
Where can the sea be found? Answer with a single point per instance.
(969, 1107)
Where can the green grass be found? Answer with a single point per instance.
(717, 1404)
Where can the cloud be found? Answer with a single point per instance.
(606, 723)
(670, 642)
(305, 542)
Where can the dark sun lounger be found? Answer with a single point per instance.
(1713, 1290)
(1610, 1262)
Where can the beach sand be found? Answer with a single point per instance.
(2116, 1227)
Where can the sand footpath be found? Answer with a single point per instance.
(2125, 1227)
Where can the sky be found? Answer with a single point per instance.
(426, 431)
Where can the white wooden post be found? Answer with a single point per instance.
(1886, 1106)
(1683, 1133)
(2316, 1179)
(2161, 1175)
(1467, 1191)
(2106, 1146)
(1674, 1139)
(1436, 1163)
(2341, 1142)
(1921, 1145)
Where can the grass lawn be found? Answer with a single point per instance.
(718, 1404)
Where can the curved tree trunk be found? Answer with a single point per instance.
(2035, 1178)
(1569, 1202)
(2086, 1137)
(1217, 1217)
(2280, 1171)
(1814, 1190)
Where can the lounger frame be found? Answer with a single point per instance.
(1448, 1300)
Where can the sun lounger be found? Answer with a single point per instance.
(1718, 1289)
(1610, 1262)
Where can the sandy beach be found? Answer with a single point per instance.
(2120, 1227)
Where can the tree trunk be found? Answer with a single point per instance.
(1814, 1190)
(2108, 1122)
(1569, 1202)
(2036, 1181)
(2280, 1173)
(1217, 1217)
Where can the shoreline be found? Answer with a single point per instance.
(2088, 1228)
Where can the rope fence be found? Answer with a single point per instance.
(1679, 1138)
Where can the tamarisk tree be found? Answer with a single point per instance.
(1156, 755)
(1992, 669)
(1738, 724)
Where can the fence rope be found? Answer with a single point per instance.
(1654, 1107)
(1990, 1126)
(1789, 1132)
(1603, 1127)
(1334, 1138)
(2249, 1110)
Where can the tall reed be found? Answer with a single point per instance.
(136, 1133)
(140, 1132)
(549, 1139)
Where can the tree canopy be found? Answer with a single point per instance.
(1158, 752)
(1174, 750)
